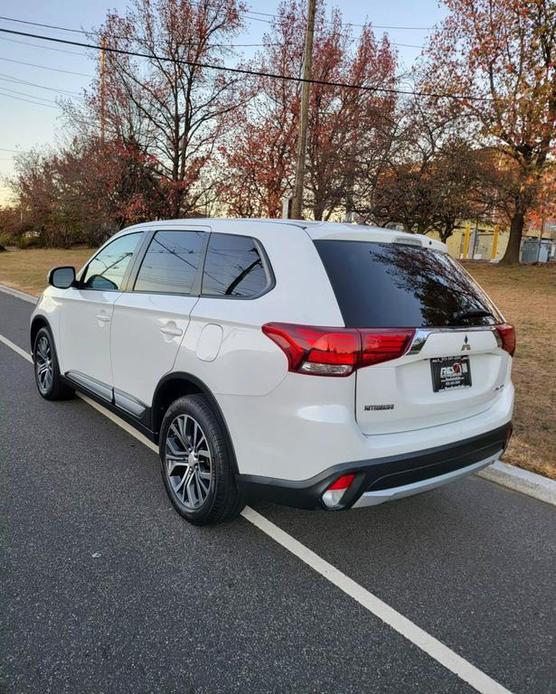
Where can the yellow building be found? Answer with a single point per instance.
(488, 242)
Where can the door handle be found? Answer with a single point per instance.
(103, 317)
(175, 332)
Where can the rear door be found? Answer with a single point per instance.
(224, 345)
(150, 321)
(454, 368)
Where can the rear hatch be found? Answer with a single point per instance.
(454, 368)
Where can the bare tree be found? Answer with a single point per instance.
(167, 105)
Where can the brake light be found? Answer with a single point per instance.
(384, 345)
(342, 482)
(336, 351)
(506, 333)
(334, 494)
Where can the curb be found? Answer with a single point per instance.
(509, 476)
(20, 295)
(537, 486)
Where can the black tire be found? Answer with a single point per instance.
(195, 496)
(50, 387)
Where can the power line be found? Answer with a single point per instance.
(386, 26)
(40, 24)
(44, 67)
(9, 78)
(87, 33)
(244, 71)
(31, 96)
(246, 13)
(351, 24)
(15, 151)
(36, 45)
(19, 98)
(257, 19)
(216, 45)
(375, 26)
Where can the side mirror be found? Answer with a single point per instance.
(62, 277)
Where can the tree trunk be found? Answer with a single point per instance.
(511, 256)
(318, 211)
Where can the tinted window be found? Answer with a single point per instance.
(107, 269)
(233, 267)
(171, 262)
(389, 285)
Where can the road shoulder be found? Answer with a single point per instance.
(522, 481)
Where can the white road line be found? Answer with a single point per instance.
(20, 295)
(433, 647)
(16, 349)
(420, 638)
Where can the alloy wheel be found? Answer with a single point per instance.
(44, 368)
(188, 461)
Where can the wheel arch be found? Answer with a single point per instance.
(175, 385)
(38, 322)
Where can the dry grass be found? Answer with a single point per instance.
(27, 270)
(526, 296)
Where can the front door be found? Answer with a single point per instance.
(86, 318)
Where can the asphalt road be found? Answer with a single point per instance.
(106, 589)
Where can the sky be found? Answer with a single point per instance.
(29, 115)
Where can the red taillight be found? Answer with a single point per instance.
(342, 482)
(506, 333)
(336, 351)
(383, 345)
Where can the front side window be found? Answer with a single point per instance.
(171, 262)
(233, 267)
(107, 269)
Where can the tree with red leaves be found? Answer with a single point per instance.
(346, 125)
(258, 158)
(168, 111)
(83, 192)
(343, 123)
(503, 53)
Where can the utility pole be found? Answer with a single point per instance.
(297, 205)
(102, 76)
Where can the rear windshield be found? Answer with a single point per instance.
(390, 285)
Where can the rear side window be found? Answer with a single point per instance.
(234, 267)
(389, 285)
(171, 262)
(107, 269)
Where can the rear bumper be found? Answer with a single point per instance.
(373, 498)
(383, 479)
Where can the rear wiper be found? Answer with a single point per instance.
(473, 313)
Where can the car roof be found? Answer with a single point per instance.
(317, 230)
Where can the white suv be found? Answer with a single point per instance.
(313, 364)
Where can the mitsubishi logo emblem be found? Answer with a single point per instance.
(466, 346)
